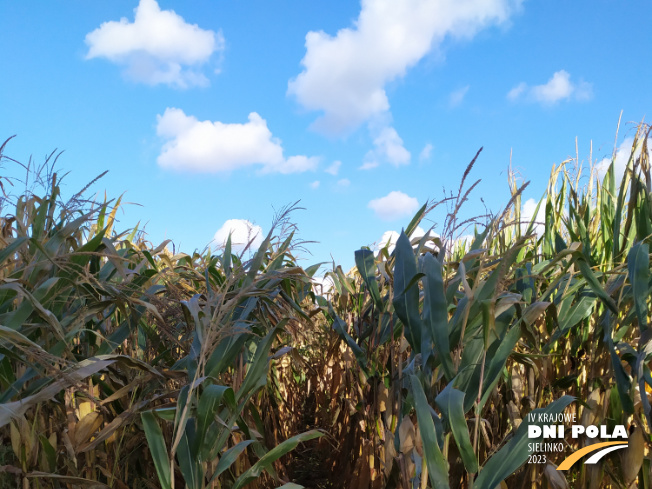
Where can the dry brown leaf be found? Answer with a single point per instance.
(15, 439)
(382, 397)
(590, 411)
(390, 452)
(85, 483)
(406, 435)
(632, 457)
(555, 478)
(86, 427)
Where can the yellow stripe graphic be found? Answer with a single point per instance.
(571, 459)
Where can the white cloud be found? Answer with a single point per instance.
(527, 213)
(457, 96)
(344, 76)
(517, 91)
(314, 184)
(368, 165)
(394, 205)
(294, 164)
(621, 158)
(334, 168)
(322, 285)
(212, 147)
(464, 240)
(388, 147)
(426, 152)
(242, 232)
(157, 47)
(343, 183)
(559, 87)
(389, 239)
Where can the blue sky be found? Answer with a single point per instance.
(209, 113)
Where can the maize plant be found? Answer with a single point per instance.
(453, 344)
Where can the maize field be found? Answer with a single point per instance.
(125, 365)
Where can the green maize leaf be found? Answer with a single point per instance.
(488, 309)
(416, 220)
(340, 327)
(157, 448)
(12, 248)
(229, 457)
(548, 230)
(132, 234)
(277, 262)
(406, 297)
(115, 339)
(468, 376)
(437, 465)
(182, 413)
(102, 214)
(336, 282)
(257, 373)
(623, 383)
(209, 403)
(533, 219)
(265, 462)
(16, 319)
(187, 456)
(451, 404)
(50, 452)
(583, 234)
(364, 260)
(346, 283)
(191, 310)
(573, 316)
(257, 260)
(286, 244)
(226, 257)
(312, 269)
(643, 374)
(560, 244)
(593, 282)
(421, 246)
(166, 414)
(471, 256)
(243, 310)
(225, 353)
(638, 265)
(643, 220)
(435, 312)
(498, 361)
(53, 244)
(385, 329)
(489, 290)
